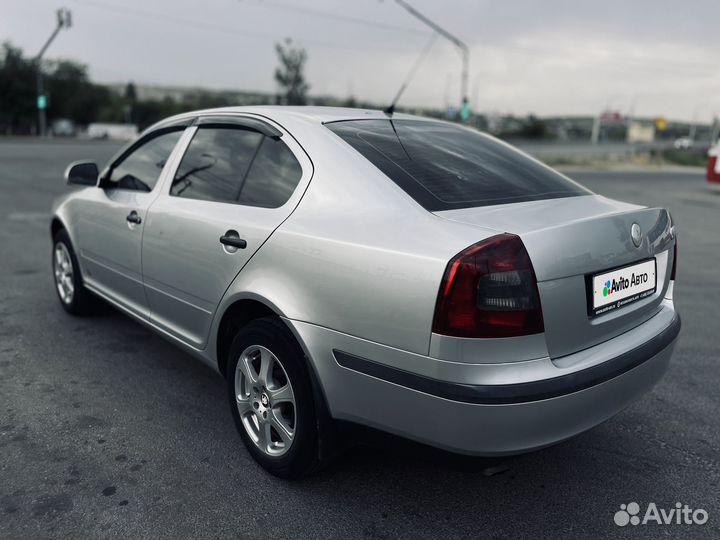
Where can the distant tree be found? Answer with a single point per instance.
(17, 91)
(148, 112)
(289, 75)
(130, 101)
(534, 128)
(208, 100)
(71, 94)
(130, 93)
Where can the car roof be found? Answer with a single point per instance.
(307, 112)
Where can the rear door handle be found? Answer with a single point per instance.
(232, 239)
(134, 217)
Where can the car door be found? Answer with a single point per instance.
(238, 179)
(111, 225)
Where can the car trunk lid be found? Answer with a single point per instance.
(570, 240)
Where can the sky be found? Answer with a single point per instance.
(553, 57)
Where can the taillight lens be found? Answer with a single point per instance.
(489, 290)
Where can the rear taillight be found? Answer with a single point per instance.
(712, 174)
(674, 266)
(489, 290)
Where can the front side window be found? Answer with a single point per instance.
(443, 166)
(140, 170)
(236, 165)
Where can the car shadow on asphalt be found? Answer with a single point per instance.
(364, 446)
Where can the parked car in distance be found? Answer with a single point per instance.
(63, 127)
(119, 132)
(408, 274)
(683, 143)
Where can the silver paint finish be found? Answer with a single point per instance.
(568, 239)
(371, 269)
(109, 246)
(352, 262)
(488, 351)
(318, 339)
(481, 429)
(186, 269)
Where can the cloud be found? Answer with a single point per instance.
(549, 57)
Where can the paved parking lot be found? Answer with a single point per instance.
(108, 431)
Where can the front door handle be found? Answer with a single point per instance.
(134, 217)
(232, 239)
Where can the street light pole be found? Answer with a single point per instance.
(464, 49)
(64, 20)
(693, 126)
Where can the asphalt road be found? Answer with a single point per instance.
(108, 431)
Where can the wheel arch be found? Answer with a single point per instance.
(56, 225)
(236, 315)
(241, 312)
(59, 222)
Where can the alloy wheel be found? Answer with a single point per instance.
(63, 269)
(265, 400)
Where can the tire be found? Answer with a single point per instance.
(265, 401)
(71, 291)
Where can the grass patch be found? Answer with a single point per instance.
(681, 157)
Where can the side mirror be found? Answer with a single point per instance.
(82, 173)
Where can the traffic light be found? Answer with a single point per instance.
(64, 18)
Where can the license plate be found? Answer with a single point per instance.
(618, 288)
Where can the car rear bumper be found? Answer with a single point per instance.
(483, 409)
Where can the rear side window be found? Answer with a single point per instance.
(215, 164)
(444, 167)
(236, 165)
(273, 176)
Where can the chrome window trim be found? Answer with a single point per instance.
(293, 145)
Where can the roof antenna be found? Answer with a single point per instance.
(391, 108)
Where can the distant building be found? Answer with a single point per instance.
(640, 132)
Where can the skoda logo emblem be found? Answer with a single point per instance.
(636, 234)
(264, 399)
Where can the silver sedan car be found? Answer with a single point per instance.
(411, 275)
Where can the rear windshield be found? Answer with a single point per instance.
(443, 166)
